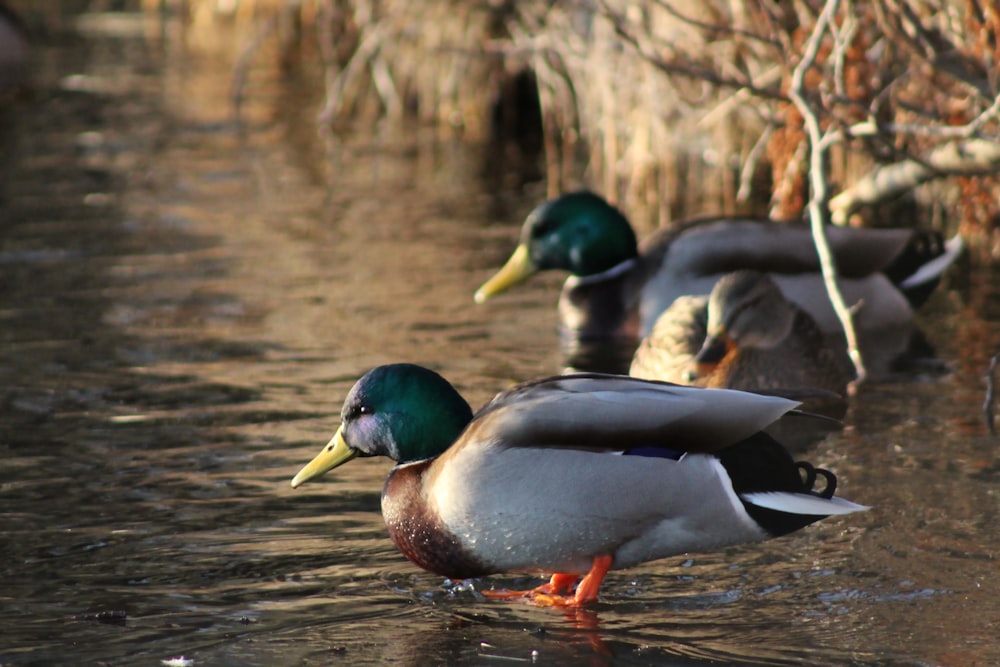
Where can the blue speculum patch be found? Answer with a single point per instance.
(656, 452)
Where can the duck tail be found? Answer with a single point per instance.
(918, 269)
(778, 493)
(802, 504)
(782, 512)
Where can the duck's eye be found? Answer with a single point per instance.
(544, 227)
(358, 410)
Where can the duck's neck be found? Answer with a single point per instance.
(602, 305)
(608, 274)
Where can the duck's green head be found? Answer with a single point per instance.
(579, 232)
(403, 411)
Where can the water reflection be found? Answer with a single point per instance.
(188, 295)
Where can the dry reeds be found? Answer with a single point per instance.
(433, 59)
(680, 107)
(658, 144)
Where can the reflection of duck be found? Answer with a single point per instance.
(745, 335)
(574, 475)
(612, 283)
(13, 50)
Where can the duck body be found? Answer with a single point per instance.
(744, 335)
(485, 502)
(625, 287)
(700, 255)
(574, 474)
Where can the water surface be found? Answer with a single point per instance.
(188, 294)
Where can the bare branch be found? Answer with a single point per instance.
(986, 116)
(988, 402)
(717, 28)
(976, 156)
(336, 95)
(841, 40)
(817, 180)
(242, 68)
(902, 23)
(751, 163)
(686, 68)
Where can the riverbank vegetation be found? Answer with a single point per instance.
(674, 108)
(664, 99)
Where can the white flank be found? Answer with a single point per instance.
(738, 510)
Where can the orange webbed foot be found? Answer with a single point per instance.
(552, 593)
(558, 584)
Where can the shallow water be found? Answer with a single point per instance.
(186, 297)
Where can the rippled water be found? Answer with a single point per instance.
(186, 298)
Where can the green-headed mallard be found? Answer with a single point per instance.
(574, 475)
(745, 335)
(615, 289)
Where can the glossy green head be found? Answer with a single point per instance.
(403, 411)
(579, 232)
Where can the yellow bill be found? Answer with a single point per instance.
(335, 453)
(517, 269)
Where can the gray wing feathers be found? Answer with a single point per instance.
(619, 413)
(725, 246)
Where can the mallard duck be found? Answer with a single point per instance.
(616, 289)
(575, 475)
(745, 335)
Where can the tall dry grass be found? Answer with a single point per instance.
(671, 107)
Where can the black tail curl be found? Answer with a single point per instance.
(922, 248)
(760, 464)
(809, 482)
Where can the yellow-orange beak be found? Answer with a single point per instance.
(517, 269)
(336, 453)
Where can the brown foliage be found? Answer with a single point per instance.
(663, 93)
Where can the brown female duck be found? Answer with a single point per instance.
(745, 335)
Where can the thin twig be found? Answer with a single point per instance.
(245, 61)
(842, 39)
(751, 163)
(991, 394)
(817, 180)
(723, 30)
(738, 100)
(337, 88)
(986, 116)
(686, 68)
(970, 130)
